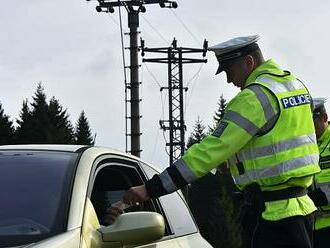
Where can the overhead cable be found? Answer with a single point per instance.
(156, 30)
(125, 77)
(193, 80)
(185, 26)
(113, 19)
(161, 93)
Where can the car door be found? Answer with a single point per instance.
(111, 176)
(183, 228)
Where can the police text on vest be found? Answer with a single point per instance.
(294, 101)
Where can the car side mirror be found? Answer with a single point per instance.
(136, 228)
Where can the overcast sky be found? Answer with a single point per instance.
(76, 53)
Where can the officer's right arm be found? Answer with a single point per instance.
(244, 118)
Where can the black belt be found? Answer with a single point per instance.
(283, 194)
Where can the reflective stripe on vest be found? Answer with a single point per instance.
(264, 101)
(242, 122)
(185, 171)
(279, 88)
(276, 170)
(257, 152)
(167, 182)
(248, 166)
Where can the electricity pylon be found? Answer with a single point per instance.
(175, 60)
(133, 8)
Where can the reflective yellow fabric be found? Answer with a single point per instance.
(232, 138)
(285, 129)
(293, 122)
(323, 178)
(213, 151)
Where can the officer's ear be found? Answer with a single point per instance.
(250, 62)
(325, 117)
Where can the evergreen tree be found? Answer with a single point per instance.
(44, 123)
(6, 128)
(219, 113)
(60, 130)
(198, 133)
(83, 134)
(39, 117)
(222, 103)
(24, 129)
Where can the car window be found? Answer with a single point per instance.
(176, 210)
(34, 192)
(112, 178)
(110, 184)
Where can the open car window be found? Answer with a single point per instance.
(111, 181)
(175, 208)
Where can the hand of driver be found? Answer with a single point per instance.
(111, 215)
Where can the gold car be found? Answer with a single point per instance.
(57, 196)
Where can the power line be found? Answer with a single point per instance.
(155, 146)
(125, 76)
(174, 58)
(162, 111)
(185, 26)
(196, 75)
(161, 92)
(194, 79)
(133, 8)
(113, 20)
(156, 30)
(152, 75)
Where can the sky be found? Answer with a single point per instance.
(76, 53)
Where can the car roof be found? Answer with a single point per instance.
(72, 148)
(47, 147)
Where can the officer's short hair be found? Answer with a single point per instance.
(318, 106)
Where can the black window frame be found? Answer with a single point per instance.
(107, 160)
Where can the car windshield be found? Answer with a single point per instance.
(35, 187)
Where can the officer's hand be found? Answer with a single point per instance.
(111, 215)
(136, 194)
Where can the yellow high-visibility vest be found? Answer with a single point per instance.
(268, 136)
(289, 150)
(322, 180)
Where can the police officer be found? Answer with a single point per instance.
(268, 136)
(321, 191)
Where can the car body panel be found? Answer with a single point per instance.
(82, 222)
(69, 239)
(64, 148)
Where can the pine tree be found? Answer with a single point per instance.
(222, 103)
(83, 134)
(198, 133)
(60, 130)
(39, 117)
(43, 123)
(6, 128)
(219, 113)
(24, 129)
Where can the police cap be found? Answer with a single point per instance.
(232, 49)
(318, 106)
